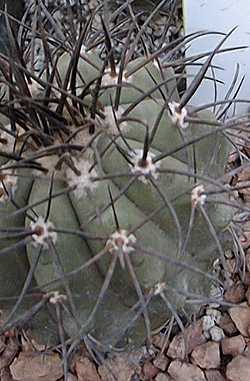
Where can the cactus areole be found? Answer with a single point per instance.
(124, 227)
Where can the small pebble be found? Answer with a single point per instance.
(216, 333)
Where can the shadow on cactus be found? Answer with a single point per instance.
(114, 202)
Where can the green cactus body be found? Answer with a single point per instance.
(176, 189)
(210, 153)
(115, 311)
(14, 265)
(134, 204)
(73, 252)
(133, 209)
(137, 79)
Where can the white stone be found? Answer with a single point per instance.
(216, 333)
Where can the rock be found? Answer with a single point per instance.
(149, 371)
(2, 343)
(215, 292)
(118, 368)
(140, 355)
(247, 349)
(5, 375)
(34, 366)
(216, 333)
(247, 295)
(247, 260)
(163, 377)
(8, 354)
(183, 343)
(161, 362)
(233, 345)
(177, 348)
(227, 324)
(214, 375)
(231, 267)
(159, 341)
(235, 293)
(208, 322)
(245, 238)
(70, 377)
(241, 317)
(246, 279)
(180, 371)
(86, 370)
(238, 369)
(207, 355)
(214, 314)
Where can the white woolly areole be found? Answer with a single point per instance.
(110, 119)
(108, 79)
(198, 196)
(120, 241)
(8, 184)
(57, 298)
(178, 116)
(145, 169)
(159, 288)
(84, 182)
(42, 232)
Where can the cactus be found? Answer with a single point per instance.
(16, 10)
(111, 197)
